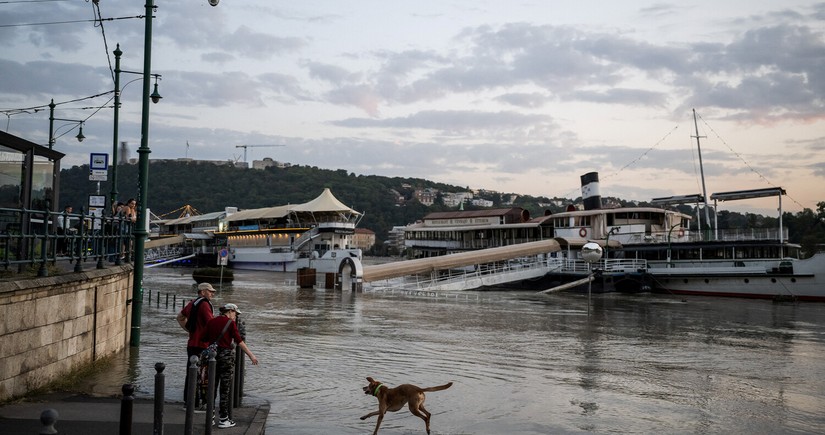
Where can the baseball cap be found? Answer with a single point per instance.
(230, 307)
(205, 286)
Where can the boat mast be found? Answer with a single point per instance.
(701, 168)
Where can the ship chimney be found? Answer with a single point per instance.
(590, 191)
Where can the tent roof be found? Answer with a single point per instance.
(325, 202)
(260, 213)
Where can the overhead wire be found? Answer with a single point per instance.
(31, 1)
(48, 23)
(634, 161)
(99, 23)
(752, 169)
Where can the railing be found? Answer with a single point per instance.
(728, 234)
(573, 265)
(33, 237)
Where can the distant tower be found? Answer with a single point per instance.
(123, 154)
(590, 191)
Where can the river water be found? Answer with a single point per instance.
(520, 363)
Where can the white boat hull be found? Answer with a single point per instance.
(260, 258)
(805, 280)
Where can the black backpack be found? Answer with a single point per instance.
(193, 315)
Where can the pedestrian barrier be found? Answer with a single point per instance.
(34, 237)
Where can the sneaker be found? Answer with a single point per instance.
(225, 423)
(200, 410)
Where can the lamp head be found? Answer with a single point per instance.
(80, 136)
(591, 252)
(213, 2)
(155, 96)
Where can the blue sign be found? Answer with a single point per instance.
(99, 161)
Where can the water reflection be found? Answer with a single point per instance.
(521, 363)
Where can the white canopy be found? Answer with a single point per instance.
(259, 213)
(326, 202)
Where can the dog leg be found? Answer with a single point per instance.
(378, 423)
(370, 415)
(421, 413)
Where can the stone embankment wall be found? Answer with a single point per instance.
(51, 326)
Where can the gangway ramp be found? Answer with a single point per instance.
(472, 269)
(164, 241)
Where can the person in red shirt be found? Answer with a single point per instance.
(224, 330)
(193, 318)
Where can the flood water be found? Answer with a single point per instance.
(520, 363)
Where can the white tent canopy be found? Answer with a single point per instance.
(326, 202)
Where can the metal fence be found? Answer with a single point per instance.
(36, 237)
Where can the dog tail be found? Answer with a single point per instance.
(438, 388)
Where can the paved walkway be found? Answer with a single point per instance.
(87, 415)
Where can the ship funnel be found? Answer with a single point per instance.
(590, 191)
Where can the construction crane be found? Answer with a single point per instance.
(254, 146)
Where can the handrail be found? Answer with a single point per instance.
(33, 237)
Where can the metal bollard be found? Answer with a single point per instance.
(191, 373)
(160, 400)
(126, 407)
(157, 300)
(167, 301)
(48, 418)
(237, 382)
(210, 392)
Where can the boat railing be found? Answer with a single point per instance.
(575, 265)
(725, 234)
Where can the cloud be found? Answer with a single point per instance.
(451, 121)
(531, 100)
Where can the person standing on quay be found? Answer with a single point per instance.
(194, 318)
(225, 367)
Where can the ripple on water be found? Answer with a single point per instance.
(520, 363)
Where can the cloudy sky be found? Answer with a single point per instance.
(513, 96)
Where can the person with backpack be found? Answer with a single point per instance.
(193, 318)
(223, 330)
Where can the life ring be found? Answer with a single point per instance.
(681, 232)
(582, 232)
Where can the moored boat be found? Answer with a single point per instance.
(313, 235)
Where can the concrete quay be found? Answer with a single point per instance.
(80, 414)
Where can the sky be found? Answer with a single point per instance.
(510, 96)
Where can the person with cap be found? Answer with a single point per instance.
(223, 329)
(194, 318)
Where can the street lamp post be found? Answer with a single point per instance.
(614, 230)
(113, 193)
(52, 119)
(668, 242)
(155, 97)
(591, 253)
(143, 181)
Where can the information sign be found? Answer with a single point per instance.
(223, 257)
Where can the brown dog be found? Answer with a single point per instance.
(392, 399)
